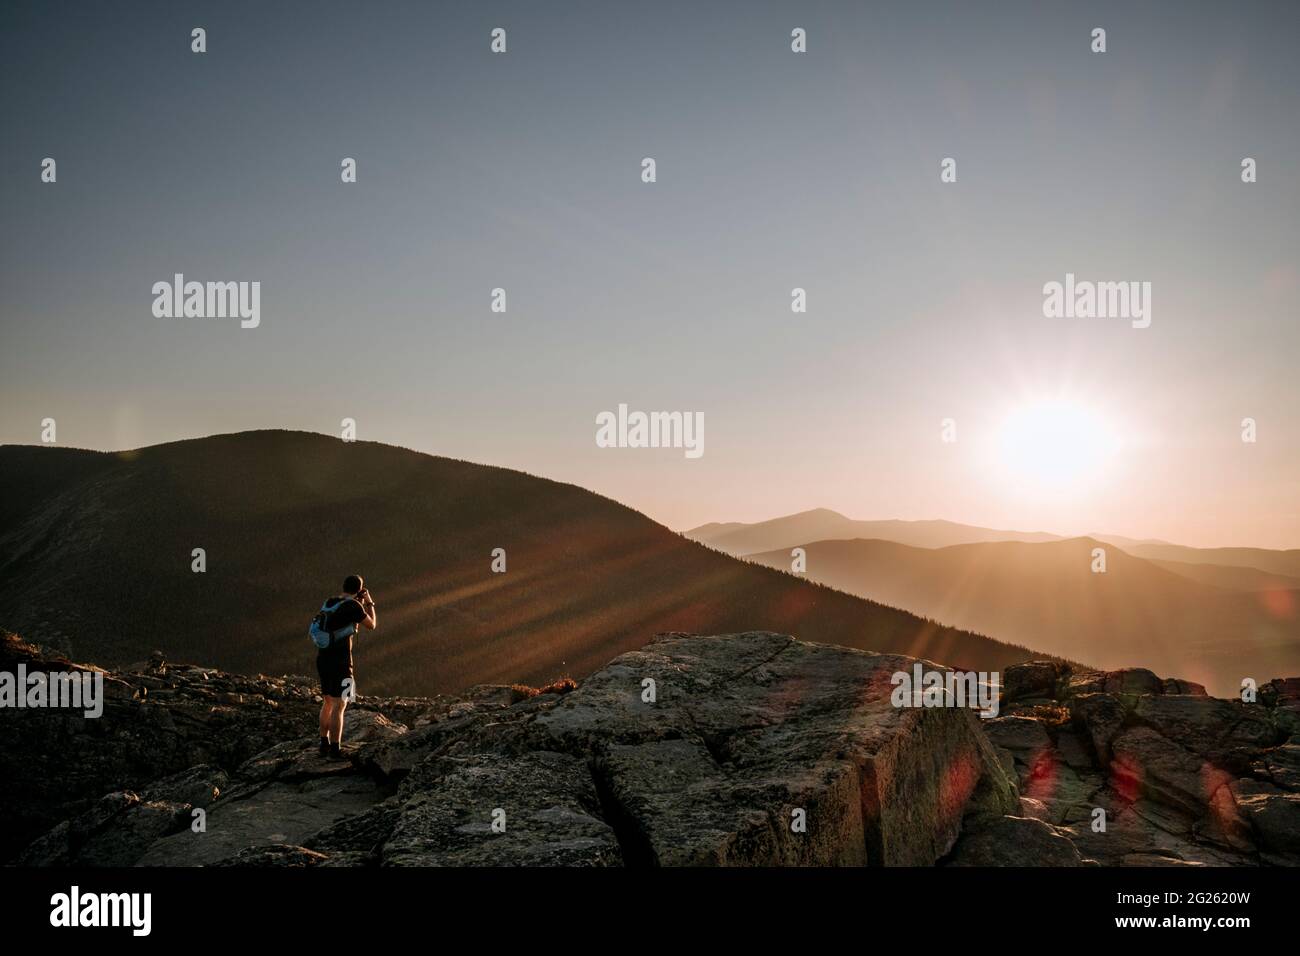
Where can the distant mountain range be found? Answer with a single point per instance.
(95, 561)
(822, 524)
(1283, 563)
(1214, 615)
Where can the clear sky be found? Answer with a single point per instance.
(775, 170)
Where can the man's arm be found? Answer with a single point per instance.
(371, 620)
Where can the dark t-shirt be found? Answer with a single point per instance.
(349, 611)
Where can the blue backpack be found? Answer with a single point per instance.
(319, 631)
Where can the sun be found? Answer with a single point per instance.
(1056, 446)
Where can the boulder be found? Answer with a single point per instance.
(100, 815)
(763, 726)
(1015, 841)
(272, 761)
(1281, 692)
(1129, 680)
(365, 726)
(395, 757)
(197, 787)
(1280, 766)
(1032, 679)
(1225, 825)
(1133, 680)
(360, 835)
(132, 833)
(114, 831)
(1076, 751)
(1147, 834)
(538, 809)
(1148, 765)
(1023, 736)
(1274, 816)
(1100, 716)
(1176, 686)
(1206, 725)
(277, 812)
(1067, 794)
(55, 764)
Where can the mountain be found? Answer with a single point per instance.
(1045, 595)
(822, 524)
(1128, 544)
(1284, 563)
(1264, 569)
(95, 562)
(1238, 578)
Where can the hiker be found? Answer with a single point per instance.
(331, 632)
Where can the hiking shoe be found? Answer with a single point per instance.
(324, 747)
(336, 753)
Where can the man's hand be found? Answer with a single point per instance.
(368, 607)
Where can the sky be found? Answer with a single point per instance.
(775, 170)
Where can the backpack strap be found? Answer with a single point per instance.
(327, 609)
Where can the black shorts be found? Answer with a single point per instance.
(334, 668)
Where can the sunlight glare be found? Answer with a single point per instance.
(1056, 446)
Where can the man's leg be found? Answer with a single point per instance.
(336, 722)
(326, 715)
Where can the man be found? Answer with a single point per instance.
(354, 607)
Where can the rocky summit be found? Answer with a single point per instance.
(750, 749)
